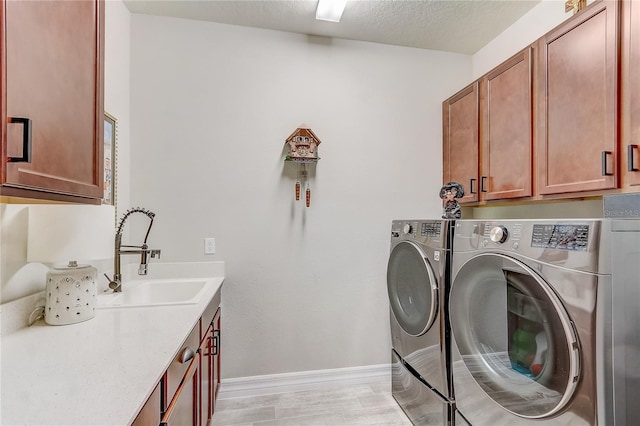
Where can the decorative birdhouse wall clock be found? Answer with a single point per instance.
(303, 150)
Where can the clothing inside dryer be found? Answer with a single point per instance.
(530, 326)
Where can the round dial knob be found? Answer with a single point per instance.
(499, 234)
(407, 228)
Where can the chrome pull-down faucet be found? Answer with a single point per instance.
(143, 250)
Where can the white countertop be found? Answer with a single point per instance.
(97, 372)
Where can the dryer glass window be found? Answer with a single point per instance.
(514, 336)
(412, 288)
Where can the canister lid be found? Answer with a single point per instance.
(73, 264)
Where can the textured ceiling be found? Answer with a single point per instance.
(460, 26)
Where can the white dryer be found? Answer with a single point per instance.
(417, 284)
(530, 311)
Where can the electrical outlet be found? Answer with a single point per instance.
(209, 246)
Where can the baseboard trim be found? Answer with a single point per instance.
(303, 380)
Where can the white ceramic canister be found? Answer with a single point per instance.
(71, 294)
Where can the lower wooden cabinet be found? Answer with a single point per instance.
(209, 360)
(151, 412)
(206, 376)
(210, 369)
(186, 395)
(216, 359)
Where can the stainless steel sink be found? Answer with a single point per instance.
(161, 292)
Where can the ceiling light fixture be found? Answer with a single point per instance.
(330, 10)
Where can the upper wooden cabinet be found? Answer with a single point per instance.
(577, 145)
(52, 99)
(460, 141)
(487, 143)
(630, 85)
(505, 125)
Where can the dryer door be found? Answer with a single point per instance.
(514, 335)
(412, 288)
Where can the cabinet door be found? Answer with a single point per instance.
(630, 153)
(217, 356)
(52, 75)
(577, 96)
(206, 376)
(506, 121)
(460, 141)
(183, 409)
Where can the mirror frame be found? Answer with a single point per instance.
(110, 159)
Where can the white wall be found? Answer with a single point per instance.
(211, 108)
(17, 277)
(537, 22)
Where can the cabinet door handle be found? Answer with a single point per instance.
(26, 140)
(482, 187)
(471, 191)
(630, 161)
(209, 348)
(216, 342)
(186, 355)
(604, 163)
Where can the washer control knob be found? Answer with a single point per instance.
(407, 228)
(499, 234)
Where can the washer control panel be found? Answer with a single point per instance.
(430, 233)
(431, 229)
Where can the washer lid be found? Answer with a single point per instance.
(412, 288)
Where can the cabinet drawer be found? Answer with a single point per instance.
(184, 408)
(180, 364)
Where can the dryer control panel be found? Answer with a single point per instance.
(564, 236)
(501, 233)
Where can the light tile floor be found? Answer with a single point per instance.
(358, 405)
